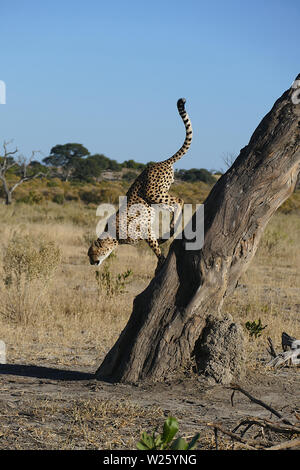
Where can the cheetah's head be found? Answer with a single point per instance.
(101, 249)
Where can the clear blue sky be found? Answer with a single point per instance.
(107, 74)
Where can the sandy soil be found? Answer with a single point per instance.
(43, 406)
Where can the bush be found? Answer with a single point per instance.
(90, 197)
(28, 266)
(255, 328)
(58, 198)
(107, 194)
(110, 284)
(31, 198)
(129, 176)
(52, 183)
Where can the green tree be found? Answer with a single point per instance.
(36, 166)
(101, 161)
(86, 169)
(195, 174)
(66, 157)
(114, 165)
(133, 165)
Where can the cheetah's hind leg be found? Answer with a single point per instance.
(175, 223)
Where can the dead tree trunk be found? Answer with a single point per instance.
(170, 315)
(6, 163)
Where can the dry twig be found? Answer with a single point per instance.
(271, 349)
(286, 445)
(283, 427)
(236, 387)
(249, 443)
(250, 421)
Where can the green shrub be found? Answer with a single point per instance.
(31, 198)
(71, 197)
(52, 183)
(90, 197)
(164, 441)
(58, 198)
(112, 284)
(255, 328)
(108, 194)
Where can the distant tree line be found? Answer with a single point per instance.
(73, 161)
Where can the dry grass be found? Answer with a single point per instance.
(269, 290)
(77, 424)
(69, 308)
(64, 319)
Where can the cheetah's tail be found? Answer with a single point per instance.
(189, 132)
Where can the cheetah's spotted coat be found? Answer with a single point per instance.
(150, 187)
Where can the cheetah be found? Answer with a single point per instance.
(150, 187)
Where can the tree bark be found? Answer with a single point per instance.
(8, 193)
(170, 315)
(9, 190)
(8, 198)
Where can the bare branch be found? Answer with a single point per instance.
(249, 443)
(26, 178)
(6, 152)
(271, 349)
(236, 387)
(275, 427)
(285, 445)
(23, 163)
(253, 444)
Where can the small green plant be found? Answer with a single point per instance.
(255, 328)
(164, 441)
(112, 284)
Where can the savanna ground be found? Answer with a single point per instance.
(59, 316)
